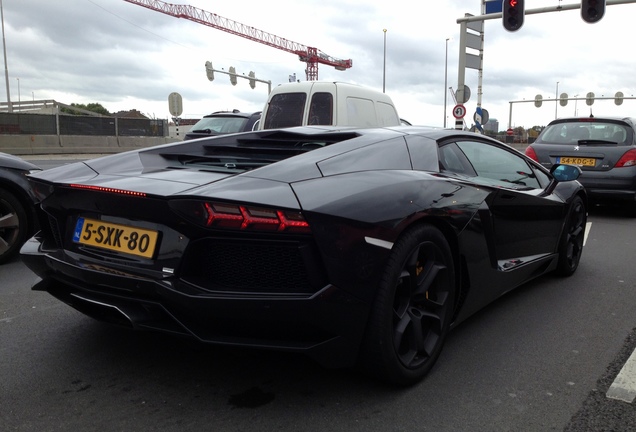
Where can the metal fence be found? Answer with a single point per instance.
(60, 124)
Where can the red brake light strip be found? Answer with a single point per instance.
(110, 190)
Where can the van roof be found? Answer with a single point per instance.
(354, 89)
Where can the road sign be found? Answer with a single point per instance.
(494, 6)
(481, 116)
(459, 111)
(466, 94)
(175, 104)
(510, 132)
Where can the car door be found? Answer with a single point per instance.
(521, 220)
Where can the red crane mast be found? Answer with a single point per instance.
(311, 56)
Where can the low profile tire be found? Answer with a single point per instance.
(412, 312)
(571, 243)
(13, 226)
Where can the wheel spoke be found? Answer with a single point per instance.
(9, 221)
(424, 268)
(416, 335)
(4, 246)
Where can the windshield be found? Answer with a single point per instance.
(285, 110)
(573, 132)
(220, 125)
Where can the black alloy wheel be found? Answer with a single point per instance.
(13, 226)
(413, 309)
(571, 244)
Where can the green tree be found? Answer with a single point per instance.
(94, 107)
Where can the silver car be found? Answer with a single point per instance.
(604, 148)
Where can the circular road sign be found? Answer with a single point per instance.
(483, 118)
(459, 111)
(466, 94)
(510, 132)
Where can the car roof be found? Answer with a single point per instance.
(234, 113)
(595, 118)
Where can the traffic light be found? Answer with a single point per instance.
(592, 10)
(252, 75)
(232, 75)
(209, 71)
(512, 13)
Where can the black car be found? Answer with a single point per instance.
(352, 246)
(604, 148)
(224, 122)
(18, 219)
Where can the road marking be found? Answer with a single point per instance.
(624, 386)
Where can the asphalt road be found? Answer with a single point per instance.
(539, 359)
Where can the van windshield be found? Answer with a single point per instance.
(321, 109)
(285, 110)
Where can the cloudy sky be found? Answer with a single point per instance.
(125, 56)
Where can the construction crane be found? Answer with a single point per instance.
(311, 56)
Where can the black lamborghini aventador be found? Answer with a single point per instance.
(353, 246)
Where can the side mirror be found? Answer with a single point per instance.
(565, 172)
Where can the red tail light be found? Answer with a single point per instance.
(531, 153)
(109, 190)
(627, 160)
(240, 217)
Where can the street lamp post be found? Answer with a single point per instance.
(18, 93)
(556, 100)
(384, 65)
(575, 102)
(6, 68)
(445, 80)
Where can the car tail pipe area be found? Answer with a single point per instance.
(124, 312)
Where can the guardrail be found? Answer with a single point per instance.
(21, 145)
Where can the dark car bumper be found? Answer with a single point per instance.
(616, 185)
(327, 326)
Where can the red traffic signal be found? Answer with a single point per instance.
(592, 10)
(512, 14)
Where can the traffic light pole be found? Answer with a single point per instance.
(269, 83)
(559, 8)
(235, 75)
(561, 101)
(468, 21)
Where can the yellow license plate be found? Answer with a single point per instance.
(577, 161)
(117, 237)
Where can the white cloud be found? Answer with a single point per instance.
(125, 56)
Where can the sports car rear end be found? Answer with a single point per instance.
(180, 242)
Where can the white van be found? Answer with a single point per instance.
(327, 103)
